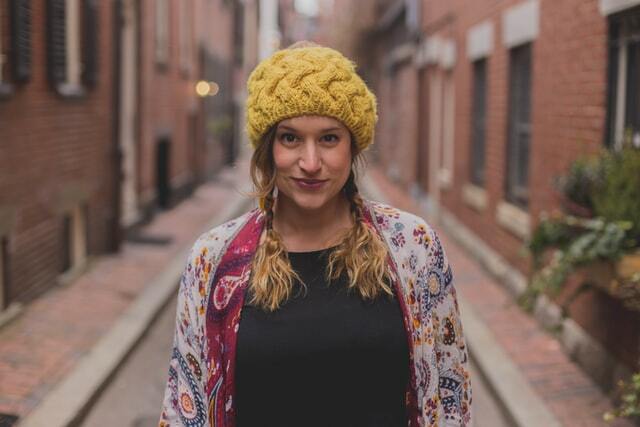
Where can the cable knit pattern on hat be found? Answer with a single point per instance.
(309, 80)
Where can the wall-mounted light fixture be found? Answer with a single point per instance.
(205, 88)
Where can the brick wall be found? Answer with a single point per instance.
(168, 103)
(568, 117)
(53, 148)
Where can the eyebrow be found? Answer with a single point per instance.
(285, 127)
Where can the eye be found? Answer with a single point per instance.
(287, 137)
(330, 138)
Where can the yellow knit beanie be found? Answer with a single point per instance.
(309, 80)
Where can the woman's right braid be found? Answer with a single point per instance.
(268, 207)
(352, 194)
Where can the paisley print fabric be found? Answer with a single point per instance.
(200, 387)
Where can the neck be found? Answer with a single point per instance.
(303, 229)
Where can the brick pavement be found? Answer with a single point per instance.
(566, 390)
(47, 340)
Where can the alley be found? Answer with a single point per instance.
(511, 127)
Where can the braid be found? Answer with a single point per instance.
(362, 254)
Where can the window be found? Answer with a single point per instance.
(623, 111)
(15, 43)
(519, 126)
(162, 32)
(74, 238)
(478, 122)
(72, 44)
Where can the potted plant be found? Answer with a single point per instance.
(608, 244)
(599, 234)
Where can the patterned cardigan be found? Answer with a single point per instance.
(200, 387)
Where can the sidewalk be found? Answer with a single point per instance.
(541, 365)
(63, 330)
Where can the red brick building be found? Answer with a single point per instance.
(101, 123)
(184, 138)
(58, 163)
(483, 104)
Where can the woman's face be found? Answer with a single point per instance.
(312, 156)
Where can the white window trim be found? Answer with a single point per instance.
(447, 58)
(480, 40)
(448, 129)
(513, 219)
(436, 50)
(72, 40)
(608, 7)
(621, 97)
(521, 23)
(474, 196)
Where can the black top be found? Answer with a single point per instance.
(326, 358)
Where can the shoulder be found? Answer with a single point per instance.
(408, 233)
(206, 253)
(202, 262)
(391, 219)
(210, 245)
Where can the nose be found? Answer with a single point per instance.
(310, 161)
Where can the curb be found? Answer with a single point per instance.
(69, 401)
(521, 404)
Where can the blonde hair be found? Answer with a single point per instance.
(361, 252)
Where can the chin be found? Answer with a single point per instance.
(310, 203)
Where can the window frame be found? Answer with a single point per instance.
(478, 122)
(519, 125)
(623, 110)
(72, 46)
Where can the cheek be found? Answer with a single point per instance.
(281, 159)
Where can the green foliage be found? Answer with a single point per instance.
(629, 406)
(609, 187)
(618, 195)
(578, 242)
(581, 182)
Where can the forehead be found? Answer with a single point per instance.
(312, 123)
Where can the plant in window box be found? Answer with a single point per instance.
(578, 186)
(606, 246)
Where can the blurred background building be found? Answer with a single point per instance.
(484, 104)
(110, 111)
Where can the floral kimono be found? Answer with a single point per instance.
(200, 389)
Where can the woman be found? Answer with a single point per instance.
(319, 307)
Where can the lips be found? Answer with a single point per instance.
(310, 183)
